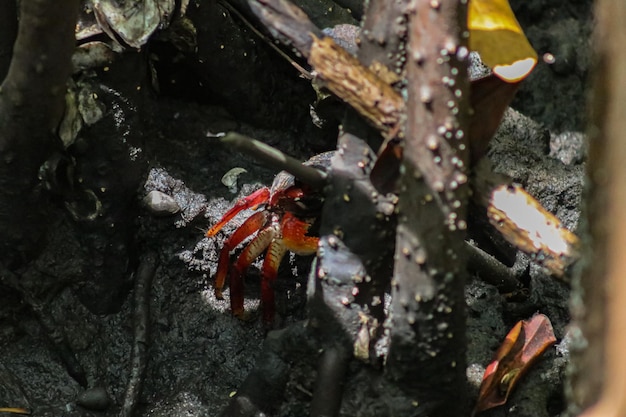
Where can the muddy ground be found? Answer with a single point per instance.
(198, 355)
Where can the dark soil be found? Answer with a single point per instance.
(198, 354)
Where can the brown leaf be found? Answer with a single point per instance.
(524, 344)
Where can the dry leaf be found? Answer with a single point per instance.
(524, 344)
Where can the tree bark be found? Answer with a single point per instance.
(31, 107)
(598, 370)
(427, 351)
(8, 32)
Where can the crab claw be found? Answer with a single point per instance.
(260, 196)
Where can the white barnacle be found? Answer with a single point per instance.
(426, 95)
(432, 143)
(462, 53)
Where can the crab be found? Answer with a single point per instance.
(285, 220)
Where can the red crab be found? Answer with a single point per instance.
(283, 224)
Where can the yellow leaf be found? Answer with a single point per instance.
(497, 36)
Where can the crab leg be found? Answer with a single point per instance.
(293, 238)
(274, 255)
(260, 242)
(251, 225)
(260, 196)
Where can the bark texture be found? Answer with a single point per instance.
(599, 367)
(8, 32)
(31, 107)
(427, 352)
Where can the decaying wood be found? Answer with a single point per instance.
(528, 226)
(598, 367)
(357, 85)
(524, 222)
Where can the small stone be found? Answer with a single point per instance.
(160, 203)
(95, 398)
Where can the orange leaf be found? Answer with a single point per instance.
(524, 344)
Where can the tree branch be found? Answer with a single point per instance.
(599, 370)
(428, 307)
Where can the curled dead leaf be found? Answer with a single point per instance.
(524, 344)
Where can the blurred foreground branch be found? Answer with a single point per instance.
(599, 371)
